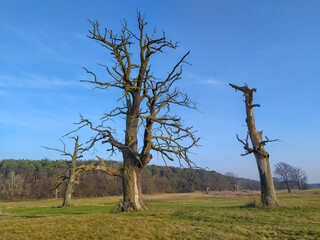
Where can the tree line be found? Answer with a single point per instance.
(37, 179)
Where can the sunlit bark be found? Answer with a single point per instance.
(268, 195)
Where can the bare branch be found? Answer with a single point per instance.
(108, 170)
(245, 145)
(268, 140)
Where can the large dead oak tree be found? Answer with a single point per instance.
(268, 194)
(146, 103)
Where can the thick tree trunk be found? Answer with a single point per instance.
(132, 168)
(132, 194)
(268, 194)
(67, 195)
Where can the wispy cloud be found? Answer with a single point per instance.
(27, 37)
(34, 119)
(13, 121)
(203, 80)
(210, 81)
(35, 81)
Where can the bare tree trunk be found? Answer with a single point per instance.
(67, 195)
(69, 186)
(131, 178)
(268, 194)
(132, 193)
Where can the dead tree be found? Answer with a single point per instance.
(74, 171)
(268, 195)
(283, 171)
(145, 103)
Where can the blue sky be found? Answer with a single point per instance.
(270, 45)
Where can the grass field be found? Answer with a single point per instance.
(224, 215)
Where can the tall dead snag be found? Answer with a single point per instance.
(145, 103)
(74, 171)
(268, 195)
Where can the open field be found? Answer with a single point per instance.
(171, 216)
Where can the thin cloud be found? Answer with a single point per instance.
(203, 80)
(33, 119)
(26, 37)
(13, 121)
(35, 81)
(210, 82)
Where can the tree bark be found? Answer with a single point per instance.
(131, 171)
(69, 185)
(132, 193)
(268, 194)
(67, 195)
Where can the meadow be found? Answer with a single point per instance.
(219, 215)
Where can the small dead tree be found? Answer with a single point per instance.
(283, 170)
(74, 171)
(268, 194)
(299, 177)
(146, 103)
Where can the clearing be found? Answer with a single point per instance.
(219, 215)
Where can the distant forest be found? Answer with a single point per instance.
(35, 179)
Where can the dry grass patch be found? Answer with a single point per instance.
(171, 216)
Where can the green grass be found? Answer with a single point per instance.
(170, 216)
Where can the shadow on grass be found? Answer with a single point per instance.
(33, 216)
(56, 211)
